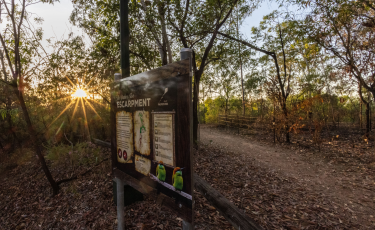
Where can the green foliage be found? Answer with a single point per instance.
(83, 153)
(13, 113)
(213, 108)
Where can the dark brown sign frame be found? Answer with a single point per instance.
(165, 90)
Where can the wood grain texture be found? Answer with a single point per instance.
(171, 70)
(183, 132)
(136, 184)
(172, 84)
(230, 212)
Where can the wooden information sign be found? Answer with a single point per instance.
(152, 138)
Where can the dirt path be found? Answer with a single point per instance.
(351, 191)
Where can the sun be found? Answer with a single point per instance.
(79, 93)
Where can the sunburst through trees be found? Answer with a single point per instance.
(79, 96)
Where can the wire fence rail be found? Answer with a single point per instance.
(239, 122)
(236, 121)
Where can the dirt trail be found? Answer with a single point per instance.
(347, 189)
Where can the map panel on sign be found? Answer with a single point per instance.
(142, 132)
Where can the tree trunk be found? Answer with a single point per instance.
(287, 135)
(2, 148)
(11, 130)
(369, 108)
(166, 45)
(360, 115)
(35, 141)
(367, 119)
(197, 77)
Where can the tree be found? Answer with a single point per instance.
(201, 34)
(367, 105)
(346, 30)
(166, 24)
(20, 44)
(147, 23)
(282, 82)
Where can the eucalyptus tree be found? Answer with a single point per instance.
(253, 81)
(367, 105)
(196, 25)
(158, 31)
(287, 53)
(20, 62)
(150, 44)
(271, 36)
(346, 29)
(226, 79)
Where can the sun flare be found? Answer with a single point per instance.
(79, 96)
(79, 93)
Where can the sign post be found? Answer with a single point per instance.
(151, 117)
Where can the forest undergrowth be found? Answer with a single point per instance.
(338, 179)
(83, 203)
(271, 200)
(337, 146)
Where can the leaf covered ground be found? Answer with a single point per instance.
(295, 184)
(84, 203)
(273, 198)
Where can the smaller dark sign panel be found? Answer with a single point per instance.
(152, 114)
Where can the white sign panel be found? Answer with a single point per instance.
(163, 126)
(124, 136)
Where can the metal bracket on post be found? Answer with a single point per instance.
(187, 53)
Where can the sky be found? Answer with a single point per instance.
(56, 18)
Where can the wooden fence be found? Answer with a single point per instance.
(247, 122)
(235, 121)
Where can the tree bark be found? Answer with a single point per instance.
(19, 86)
(367, 105)
(197, 78)
(284, 94)
(287, 134)
(166, 44)
(360, 115)
(367, 119)
(35, 141)
(204, 61)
